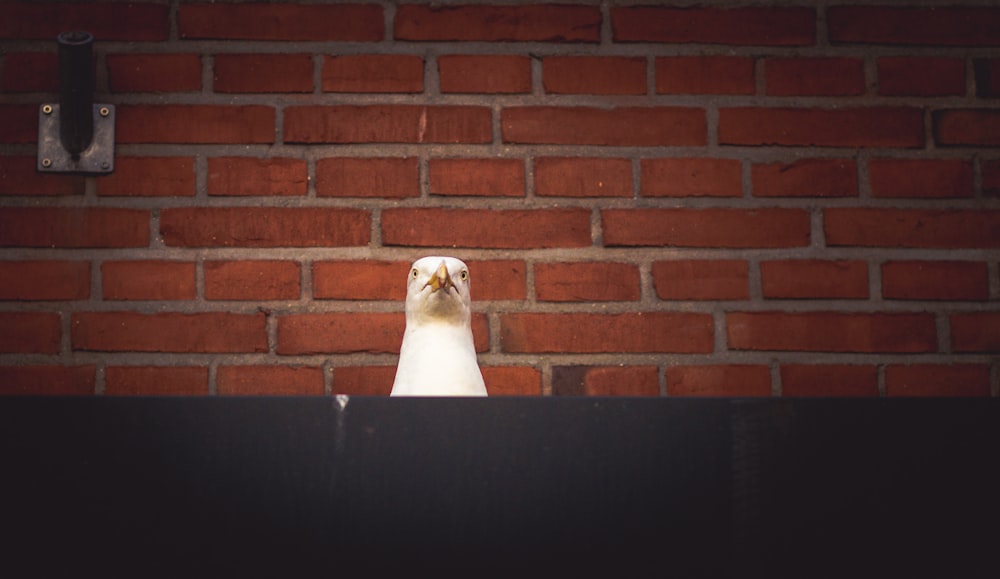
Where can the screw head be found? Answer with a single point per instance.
(104, 111)
(47, 109)
(46, 163)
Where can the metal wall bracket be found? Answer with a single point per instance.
(98, 158)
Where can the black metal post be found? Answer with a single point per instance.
(76, 91)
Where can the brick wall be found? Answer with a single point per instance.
(715, 199)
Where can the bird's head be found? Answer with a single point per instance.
(438, 290)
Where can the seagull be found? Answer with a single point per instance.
(438, 356)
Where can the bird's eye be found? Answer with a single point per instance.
(464, 276)
(414, 273)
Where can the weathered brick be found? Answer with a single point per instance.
(841, 127)
(139, 21)
(195, 124)
(260, 73)
(926, 178)
(750, 26)
(605, 381)
(828, 380)
(512, 380)
(148, 280)
(486, 228)
(705, 75)
(30, 332)
(390, 177)
(820, 76)
(975, 332)
(687, 177)
(586, 282)
(987, 74)
(967, 127)
(583, 177)
(345, 333)
(488, 74)
(19, 177)
(701, 279)
(73, 227)
(806, 178)
(922, 76)
(501, 279)
(149, 177)
(638, 332)
(130, 73)
(269, 380)
(724, 380)
(388, 124)
(814, 278)
(917, 228)
(282, 22)
(716, 227)
(210, 332)
(156, 380)
(832, 332)
(48, 280)
(373, 73)
(477, 177)
(252, 280)
(991, 178)
(517, 23)
(30, 72)
(935, 280)
(948, 26)
(937, 380)
(19, 122)
(608, 75)
(242, 176)
(624, 126)
(47, 380)
(264, 226)
(360, 280)
(363, 380)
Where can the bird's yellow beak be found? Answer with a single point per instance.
(440, 279)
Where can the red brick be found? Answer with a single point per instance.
(691, 178)
(975, 332)
(987, 74)
(829, 380)
(948, 26)
(363, 380)
(129, 73)
(242, 176)
(47, 380)
(30, 72)
(918, 228)
(605, 381)
(749, 26)
(935, 280)
(814, 76)
(586, 282)
(722, 227)
(360, 280)
(921, 76)
(583, 177)
(30, 332)
(814, 278)
(46, 20)
(282, 22)
(701, 279)
(515, 23)
(150, 177)
(487, 228)
(148, 280)
(705, 75)
(502, 279)
(388, 124)
(259, 73)
(477, 177)
(832, 332)
(156, 380)
(390, 177)
(741, 380)
(74, 227)
(991, 178)
(971, 127)
(841, 127)
(625, 126)
(512, 380)
(489, 74)
(619, 75)
(937, 380)
(195, 124)
(264, 227)
(345, 333)
(639, 332)
(44, 280)
(19, 176)
(374, 73)
(263, 380)
(806, 178)
(252, 280)
(926, 178)
(19, 122)
(210, 332)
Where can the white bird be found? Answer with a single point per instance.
(438, 355)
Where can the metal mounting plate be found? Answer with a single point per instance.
(98, 159)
